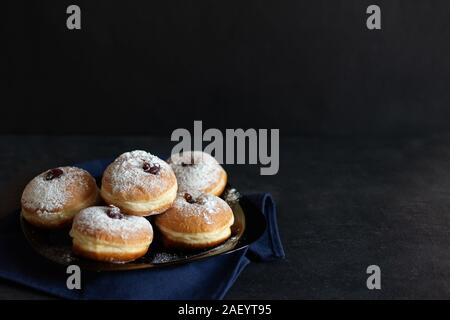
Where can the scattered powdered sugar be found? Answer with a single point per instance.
(127, 172)
(48, 196)
(231, 195)
(195, 170)
(205, 205)
(96, 219)
(163, 257)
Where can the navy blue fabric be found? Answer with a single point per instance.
(205, 279)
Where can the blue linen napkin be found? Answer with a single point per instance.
(210, 278)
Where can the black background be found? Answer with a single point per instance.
(306, 67)
(368, 180)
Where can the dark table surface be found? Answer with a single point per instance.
(344, 204)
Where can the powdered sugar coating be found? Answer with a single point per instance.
(195, 170)
(205, 206)
(126, 173)
(50, 196)
(95, 221)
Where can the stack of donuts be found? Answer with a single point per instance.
(112, 223)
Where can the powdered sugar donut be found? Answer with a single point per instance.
(196, 170)
(105, 234)
(195, 221)
(53, 198)
(139, 183)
